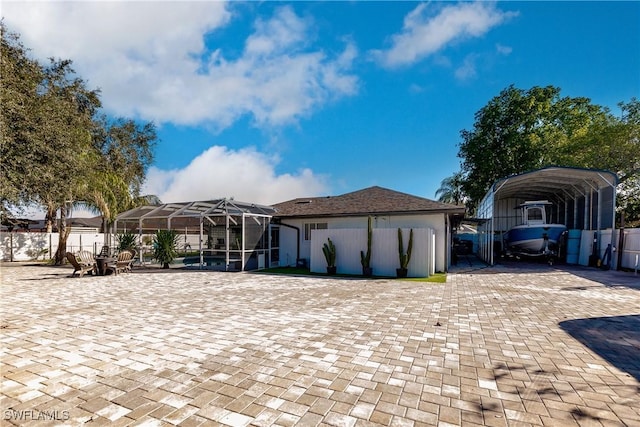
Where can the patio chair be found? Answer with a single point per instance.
(122, 263)
(83, 262)
(134, 253)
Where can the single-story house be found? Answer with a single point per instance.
(233, 235)
(299, 220)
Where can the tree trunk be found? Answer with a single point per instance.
(107, 226)
(63, 233)
(50, 218)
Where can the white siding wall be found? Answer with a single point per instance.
(436, 222)
(288, 245)
(384, 250)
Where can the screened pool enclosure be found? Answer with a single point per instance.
(219, 234)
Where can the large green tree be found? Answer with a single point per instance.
(522, 130)
(126, 151)
(46, 133)
(56, 149)
(21, 78)
(64, 126)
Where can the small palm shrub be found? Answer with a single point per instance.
(165, 247)
(126, 241)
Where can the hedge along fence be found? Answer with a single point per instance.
(384, 250)
(19, 246)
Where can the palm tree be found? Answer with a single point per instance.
(146, 200)
(110, 195)
(451, 190)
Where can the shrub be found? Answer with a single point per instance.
(165, 244)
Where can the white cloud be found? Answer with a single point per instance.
(246, 175)
(415, 88)
(468, 68)
(503, 50)
(424, 33)
(150, 60)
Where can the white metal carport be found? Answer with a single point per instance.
(583, 199)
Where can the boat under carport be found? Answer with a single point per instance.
(583, 199)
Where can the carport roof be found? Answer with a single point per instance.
(551, 181)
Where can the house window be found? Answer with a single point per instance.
(313, 226)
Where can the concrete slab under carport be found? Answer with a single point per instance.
(206, 348)
(471, 264)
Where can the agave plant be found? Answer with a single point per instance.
(165, 247)
(126, 241)
(329, 251)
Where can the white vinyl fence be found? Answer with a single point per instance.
(630, 257)
(384, 250)
(19, 246)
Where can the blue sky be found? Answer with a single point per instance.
(267, 101)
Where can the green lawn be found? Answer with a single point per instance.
(297, 271)
(436, 278)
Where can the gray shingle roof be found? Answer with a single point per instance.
(369, 201)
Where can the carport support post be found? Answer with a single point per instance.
(587, 223)
(599, 220)
(575, 211)
(492, 237)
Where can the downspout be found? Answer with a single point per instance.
(297, 238)
(447, 243)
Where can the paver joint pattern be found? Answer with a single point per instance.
(496, 347)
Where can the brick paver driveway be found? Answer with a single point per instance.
(500, 346)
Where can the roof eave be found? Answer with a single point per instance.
(452, 211)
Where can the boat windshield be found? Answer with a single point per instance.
(535, 215)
